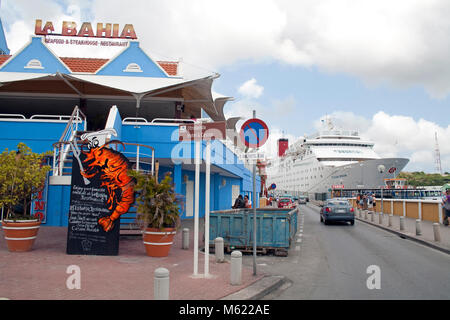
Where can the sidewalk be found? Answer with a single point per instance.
(426, 238)
(41, 273)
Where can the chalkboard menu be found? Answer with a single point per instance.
(88, 203)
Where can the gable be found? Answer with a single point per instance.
(3, 45)
(133, 62)
(35, 58)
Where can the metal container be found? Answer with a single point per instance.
(276, 228)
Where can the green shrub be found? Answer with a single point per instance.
(22, 176)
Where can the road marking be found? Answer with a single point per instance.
(297, 248)
(299, 240)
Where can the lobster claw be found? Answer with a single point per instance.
(106, 223)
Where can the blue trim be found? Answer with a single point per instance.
(35, 50)
(3, 44)
(133, 54)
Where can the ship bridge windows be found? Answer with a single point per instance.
(345, 159)
(342, 144)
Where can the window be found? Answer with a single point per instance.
(34, 64)
(133, 67)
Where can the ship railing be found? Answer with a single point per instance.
(348, 133)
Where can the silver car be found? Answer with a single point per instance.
(302, 200)
(337, 210)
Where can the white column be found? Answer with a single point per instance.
(196, 204)
(207, 199)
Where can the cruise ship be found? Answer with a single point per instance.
(330, 159)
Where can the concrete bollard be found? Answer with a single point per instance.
(236, 268)
(161, 284)
(418, 228)
(218, 243)
(365, 214)
(402, 223)
(390, 220)
(437, 232)
(380, 218)
(185, 242)
(372, 217)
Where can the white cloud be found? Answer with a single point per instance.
(250, 89)
(271, 146)
(404, 42)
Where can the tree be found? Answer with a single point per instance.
(424, 179)
(22, 176)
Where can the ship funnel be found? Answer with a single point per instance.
(283, 145)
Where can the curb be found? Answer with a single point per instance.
(258, 289)
(408, 236)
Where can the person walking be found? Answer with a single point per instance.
(446, 206)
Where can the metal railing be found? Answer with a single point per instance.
(141, 158)
(61, 149)
(140, 161)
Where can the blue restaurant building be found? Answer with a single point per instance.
(45, 100)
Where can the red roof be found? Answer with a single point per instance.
(91, 65)
(88, 65)
(3, 58)
(170, 67)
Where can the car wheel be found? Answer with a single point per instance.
(352, 222)
(325, 221)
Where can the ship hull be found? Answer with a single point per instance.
(358, 175)
(361, 175)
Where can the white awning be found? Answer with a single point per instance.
(219, 102)
(197, 92)
(136, 85)
(6, 77)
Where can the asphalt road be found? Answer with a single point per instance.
(331, 262)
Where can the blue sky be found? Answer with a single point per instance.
(317, 93)
(381, 67)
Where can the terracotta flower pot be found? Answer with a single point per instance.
(20, 235)
(158, 241)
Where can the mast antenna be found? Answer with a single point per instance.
(437, 155)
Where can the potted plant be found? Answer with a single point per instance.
(22, 177)
(158, 212)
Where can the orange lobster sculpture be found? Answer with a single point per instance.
(112, 167)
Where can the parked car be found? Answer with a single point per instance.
(285, 203)
(337, 210)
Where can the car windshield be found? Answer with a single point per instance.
(285, 200)
(338, 203)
